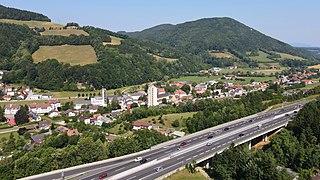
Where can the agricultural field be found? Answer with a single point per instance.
(288, 56)
(159, 58)
(64, 32)
(185, 174)
(75, 55)
(265, 71)
(38, 24)
(262, 58)
(247, 80)
(226, 55)
(168, 119)
(196, 79)
(314, 67)
(114, 41)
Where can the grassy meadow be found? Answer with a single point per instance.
(38, 24)
(75, 55)
(114, 41)
(64, 32)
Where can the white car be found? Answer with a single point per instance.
(137, 159)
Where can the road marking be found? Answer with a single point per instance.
(119, 169)
(189, 141)
(207, 151)
(195, 156)
(168, 152)
(195, 139)
(219, 146)
(201, 154)
(131, 177)
(188, 159)
(180, 158)
(200, 150)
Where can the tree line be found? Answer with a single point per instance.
(17, 14)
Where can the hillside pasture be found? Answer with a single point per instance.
(64, 32)
(159, 58)
(262, 58)
(223, 55)
(252, 70)
(115, 41)
(75, 55)
(288, 56)
(38, 24)
(314, 67)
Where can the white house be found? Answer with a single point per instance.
(55, 104)
(40, 108)
(140, 125)
(93, 109)
(69, 113)
(11, 109)
(46, 96)
(54, 114)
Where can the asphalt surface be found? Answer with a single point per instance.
(170, 158)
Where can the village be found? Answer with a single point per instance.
(90, 111)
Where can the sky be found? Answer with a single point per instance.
(292, 21)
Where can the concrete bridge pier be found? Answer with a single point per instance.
(265, 138)
(249, 144)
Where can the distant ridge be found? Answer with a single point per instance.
(17, 14)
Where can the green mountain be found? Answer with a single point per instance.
(214, 34)
(17, 14)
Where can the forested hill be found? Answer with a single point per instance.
(214, 34)
(17, 14)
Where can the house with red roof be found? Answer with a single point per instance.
(40, 108)
(11, 121)
(179, 93)
(72, 132)
(140, 125)
(306, 81)
(7, 97)
(161, 91)
(11, 109)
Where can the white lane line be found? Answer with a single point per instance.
(180, 158)
(195, 139)
(168, 152)
(189, 141)
(119, 169)
(188, 159)
(201, 154)
(195, 156)
(200, 150)
(207, 151)
(132, 177)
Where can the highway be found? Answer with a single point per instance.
(170, 158)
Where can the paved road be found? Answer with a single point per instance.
(196, 148)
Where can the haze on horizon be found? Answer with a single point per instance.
(292, 21)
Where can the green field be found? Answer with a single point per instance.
(38, 24)
(248, 79)
(159, 58)
(218, 54)
(288, 56)
(64, 32)
(184, 174)
(75, 55)
(114, 41)
(265, 71)
(262, 58)
(196, 79)
(24, 102)
(169, 118)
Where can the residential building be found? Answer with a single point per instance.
(93, 109)
(11, 109)
(38, 138)
(140, 125)
(44, 124)
(40, 108)
(72, 132)
(152, 96)
(55, 104)
(79, 103)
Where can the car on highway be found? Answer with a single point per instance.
(137, 159)
(259, 126)
(104, 175)
(158, 169)
(210, 136)
(183, 144)
(250, 120)
(209, 143)
(241, 134)
(143, 160)
(226, 129)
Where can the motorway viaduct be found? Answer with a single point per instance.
(170, 158)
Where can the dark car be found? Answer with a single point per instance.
(250, 120)
(226, 129)
(210, 137)
(183, 144)
(240, 135)
(144, 160)
(103, 175)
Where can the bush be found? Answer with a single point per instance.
(175, 123)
